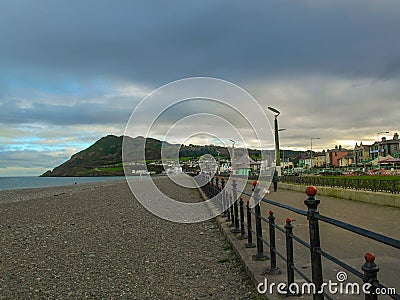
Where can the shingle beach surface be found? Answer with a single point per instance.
(97, 241)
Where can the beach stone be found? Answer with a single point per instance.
(97, 241)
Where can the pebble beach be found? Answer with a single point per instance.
(96, 241)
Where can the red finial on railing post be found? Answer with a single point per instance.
(311, 191)
(369, 257)
(370, 275)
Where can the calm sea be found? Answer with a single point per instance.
(14, 183)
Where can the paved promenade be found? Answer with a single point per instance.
(96, 241)
(340, 243)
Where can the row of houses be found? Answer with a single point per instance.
(361, 155)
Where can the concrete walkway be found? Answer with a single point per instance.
(340, 243)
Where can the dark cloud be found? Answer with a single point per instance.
(155, 42)
(331, 67)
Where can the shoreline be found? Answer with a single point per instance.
(30, 182)
(25, 194)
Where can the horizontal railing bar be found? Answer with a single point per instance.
(288, 207)
(361, 231)
(396, 296)
(296, 210)
(264, 241)
(340, 263)
(304, 276)
(280, 255)
(381, 286)
(281, 229)
(299, 240)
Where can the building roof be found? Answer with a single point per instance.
(390, 160)
(381, 158)
(244, 162)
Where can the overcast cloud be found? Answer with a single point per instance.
(73, 71)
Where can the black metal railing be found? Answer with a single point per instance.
(354, 183)
(242, 216)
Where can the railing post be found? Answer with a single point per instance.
(223, 198)
(370, 275)
(242, 233)
(260, 245)
(228, 210)
(231, 211)
(235, 219)
(250, 243)
(211, 188)
(228, 204)
(216, 190)
(289, 252)
(315, 243)
(272, 245)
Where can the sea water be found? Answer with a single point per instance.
(14, 183)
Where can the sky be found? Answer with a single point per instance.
(74, 71)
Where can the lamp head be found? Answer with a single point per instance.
(274, 110)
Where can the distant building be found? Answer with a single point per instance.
(366, 153)
(333, 155)
(319, 159)
(245, 165)
(346, 160)
(387, 147)
(362, 154)
(307, 162)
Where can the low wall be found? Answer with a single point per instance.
(363, 196)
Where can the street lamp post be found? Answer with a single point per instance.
(218, 167)
(377, 137)
(283, 152)
(311, 156)
(277, 154)
(233, 156)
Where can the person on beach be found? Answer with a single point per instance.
(275, 180)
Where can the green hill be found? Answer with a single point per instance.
(104, 157)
